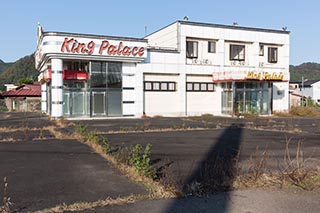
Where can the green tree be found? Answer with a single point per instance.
(25, 81)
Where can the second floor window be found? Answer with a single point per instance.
(261, 50)
(211, 46)
(237, 52)
(192, 49)
(272, 55)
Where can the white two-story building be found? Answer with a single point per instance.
(186, 68)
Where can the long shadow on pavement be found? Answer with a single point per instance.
(217, 170)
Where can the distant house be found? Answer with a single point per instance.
(26, 97)
(10, 86)
(309, 88)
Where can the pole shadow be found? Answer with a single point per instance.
(216, 172)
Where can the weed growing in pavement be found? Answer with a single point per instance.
(105, 144)
(92, 137)
(41, 134)
(123, 129)
(207, 115)
(174, 126)
(225, 172)
(81, 129)
(6, 199)
(140, 160)
(183, 125)
(138, 157)
(296, 169)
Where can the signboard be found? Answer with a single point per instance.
(66, 75)
(106, 47)
(90, 47)
(248, 75)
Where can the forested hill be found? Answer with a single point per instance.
(309, 71)
(22, 68)
(4, 65)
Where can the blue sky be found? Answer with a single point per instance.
(19, 18)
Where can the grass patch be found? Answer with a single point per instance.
(132, 161)
(224, 172)
(299, 111)
(82, 206)
(304, 111)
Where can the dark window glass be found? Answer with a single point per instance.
(237, 52)
(272, 55)
(192, 49)
(159, 86)
(261, 50)
(98, 75)
(114, 75)
(211, 46)
(199, 87)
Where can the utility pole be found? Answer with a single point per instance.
(302, 89)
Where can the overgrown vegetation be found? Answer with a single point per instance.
(219, 173)
(136, 156)
(93, 137)
(301, 111)
(304, 111)
(224, 172)
(140, 160)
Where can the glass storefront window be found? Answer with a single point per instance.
(106, 88)
(114, 75)
(250, 97)
(98, 75)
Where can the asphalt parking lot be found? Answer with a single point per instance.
(185, 146)
(46, 172)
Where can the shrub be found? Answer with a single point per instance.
(140, 160)
(304, 111)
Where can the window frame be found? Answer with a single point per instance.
(236, 47)
(194, 49)
(210, 49)
(273, 55)
(159, 87)
(261, 49)
(198, 87)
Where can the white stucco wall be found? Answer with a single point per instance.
(199, 103)
(162, 103)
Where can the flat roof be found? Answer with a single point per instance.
(94, 36)
(233, 27)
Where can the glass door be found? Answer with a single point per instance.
(66, 103)
(239, 102)
(98, 103)
(78, 103)
(227, 102)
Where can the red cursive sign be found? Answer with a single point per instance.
(73, 46)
